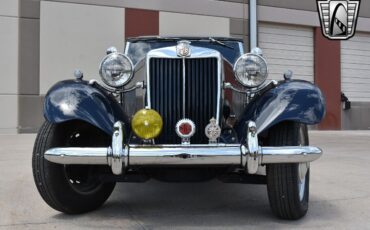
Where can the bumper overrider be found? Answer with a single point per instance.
(120, 156)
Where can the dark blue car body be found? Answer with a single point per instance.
(292, 100)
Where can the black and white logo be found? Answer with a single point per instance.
(338, 18)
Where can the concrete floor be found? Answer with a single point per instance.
(340, 195)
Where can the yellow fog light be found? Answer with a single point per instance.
(147, 124)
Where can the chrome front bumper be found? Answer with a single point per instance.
(119, 156)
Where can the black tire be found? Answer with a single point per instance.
(70, 189)
(288, 195)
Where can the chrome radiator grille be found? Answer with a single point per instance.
(175, 95)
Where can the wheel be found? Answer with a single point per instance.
(288, 184)
(71, 189)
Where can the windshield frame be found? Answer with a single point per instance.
(239, 45)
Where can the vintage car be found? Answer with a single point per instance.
(178, 109)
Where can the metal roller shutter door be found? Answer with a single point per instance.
(287, 47)
(355, 67)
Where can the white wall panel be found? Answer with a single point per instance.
(9, 8)
(9, 55)
(287, 47)
(76, 36)
(355, 67)
(175, 24)
(9, 114)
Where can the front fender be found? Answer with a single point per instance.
(296, 100)
(77, 100)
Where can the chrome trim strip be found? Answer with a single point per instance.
(289, 154)
(148, 101)
(127, 47)
(183, 88)
(176, 146)
(228, 85)
(71, 156)
(183, 155)
(196, 52)
(218, 154)
(241, 48)
(249, 156)
(119, 156)
(115, 156)
(138, 85)
(253, 148)
(219, 90)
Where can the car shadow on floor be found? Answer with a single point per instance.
(212, 204)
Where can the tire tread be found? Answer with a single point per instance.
(38, 167)
(50, 179)
(281, 178)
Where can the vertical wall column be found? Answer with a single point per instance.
(19, 61)
(9, 22)
(328, 78)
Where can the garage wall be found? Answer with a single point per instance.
(287, 47)
(9, 55)
(355, 55)
(355, 68)
(9, 68)
(18, 59)
(176, 24)
(239, 29)
(29, 100)
(284, 47)
(76, 36)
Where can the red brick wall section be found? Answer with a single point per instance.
(141, 22)
(229, 77)
(328, 78)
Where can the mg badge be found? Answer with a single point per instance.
(213, 131)
(183, 49)
(338, 18)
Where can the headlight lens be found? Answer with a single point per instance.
(147, 124)
(116, 69)
(251, 70)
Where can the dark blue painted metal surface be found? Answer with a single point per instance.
(77, 100)
(290, 100)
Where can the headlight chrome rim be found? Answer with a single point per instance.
(120, 81)
(238, 78)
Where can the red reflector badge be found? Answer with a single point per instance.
(185, 128)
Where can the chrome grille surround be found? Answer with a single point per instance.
(196, 53)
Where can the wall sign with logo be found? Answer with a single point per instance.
(338, 18)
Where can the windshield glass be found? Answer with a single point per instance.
(138, 49)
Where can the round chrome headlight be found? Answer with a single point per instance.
(251, 70)
(116, 69)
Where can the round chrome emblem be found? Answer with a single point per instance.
(185, 128)
(183, 48)
(213, 130)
